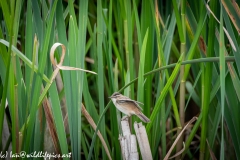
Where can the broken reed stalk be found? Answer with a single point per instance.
(129, 144)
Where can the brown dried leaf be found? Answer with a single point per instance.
(178, 137)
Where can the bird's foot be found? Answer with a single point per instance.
(125, 118)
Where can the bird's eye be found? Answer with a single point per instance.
(116, 94)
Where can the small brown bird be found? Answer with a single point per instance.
(128, 106)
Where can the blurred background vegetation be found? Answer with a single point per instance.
(173, 56)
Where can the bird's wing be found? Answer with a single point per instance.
(129, 100)
(137, 102)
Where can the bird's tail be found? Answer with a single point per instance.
(143, 117)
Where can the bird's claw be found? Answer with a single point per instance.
(124, 118)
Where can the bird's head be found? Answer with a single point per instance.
(115, 95)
